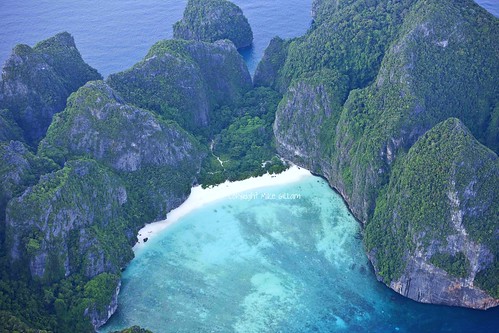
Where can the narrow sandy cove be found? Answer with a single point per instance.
(200, 197)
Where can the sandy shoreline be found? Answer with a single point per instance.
(200, 197)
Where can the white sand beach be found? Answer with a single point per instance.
(200, 197)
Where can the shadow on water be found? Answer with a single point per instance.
(250, 57)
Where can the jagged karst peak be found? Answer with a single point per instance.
(213, 20)
(186, 81)
(434, 60)
(442, 199)
(37, 81)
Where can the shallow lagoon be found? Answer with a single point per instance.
(286, 258)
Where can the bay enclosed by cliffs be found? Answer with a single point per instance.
(246, 264)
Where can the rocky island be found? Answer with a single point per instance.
(213, 20)
(395, 103)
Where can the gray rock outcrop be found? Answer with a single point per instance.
(37, 81)
(212, 20)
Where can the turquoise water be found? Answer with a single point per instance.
(238, 265)
(262, 264)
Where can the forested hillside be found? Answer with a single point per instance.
(384, 73)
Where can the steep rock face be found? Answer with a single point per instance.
(9, 130)
(420, 83)
(185, 80)
(97, 123)
(213, 20)
(62, 227)
(99, 314)
(436, 227)
(267, 71)
(55, 225)
(37, 81)
(441, 64)
(16, 163)
(349, 36)
(311, 106)
(386, 118)
(80, 222)
(139, 144)
(19, 168)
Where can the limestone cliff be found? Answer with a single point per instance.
(185, 81)
(267, 71)
(19, 169)
(212, 20)
(310, 108)
(139, 144)
(55, 224)
(97, 123)
(37, 81)
(123, 167)
(61, 226)
(433, 236)
(440, 64)
(9, 130)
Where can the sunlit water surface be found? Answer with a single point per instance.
(282, 259)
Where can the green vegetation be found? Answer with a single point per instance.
(488, 279)
(70, 212)
(309, 111)
(67, 217)
(246, 147)
(410, 65)
(156, 158)
(101, 289)
(154, 191)
(19, 169)
(58, 307)
(212, 20)
(106, 211)
(61, 54)
(115, 134)
(350, 37)
(12, 324)
(445, 174)
(185, 81)
(32, 95)
(9, 130)
(367, 96)
(398, 56)
(456, 265)
(267, 71)
(122, 166)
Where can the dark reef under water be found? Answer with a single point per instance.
(260, 265)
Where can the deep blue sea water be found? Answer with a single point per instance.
(113, 35)
(254, 270)
(252, 264)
